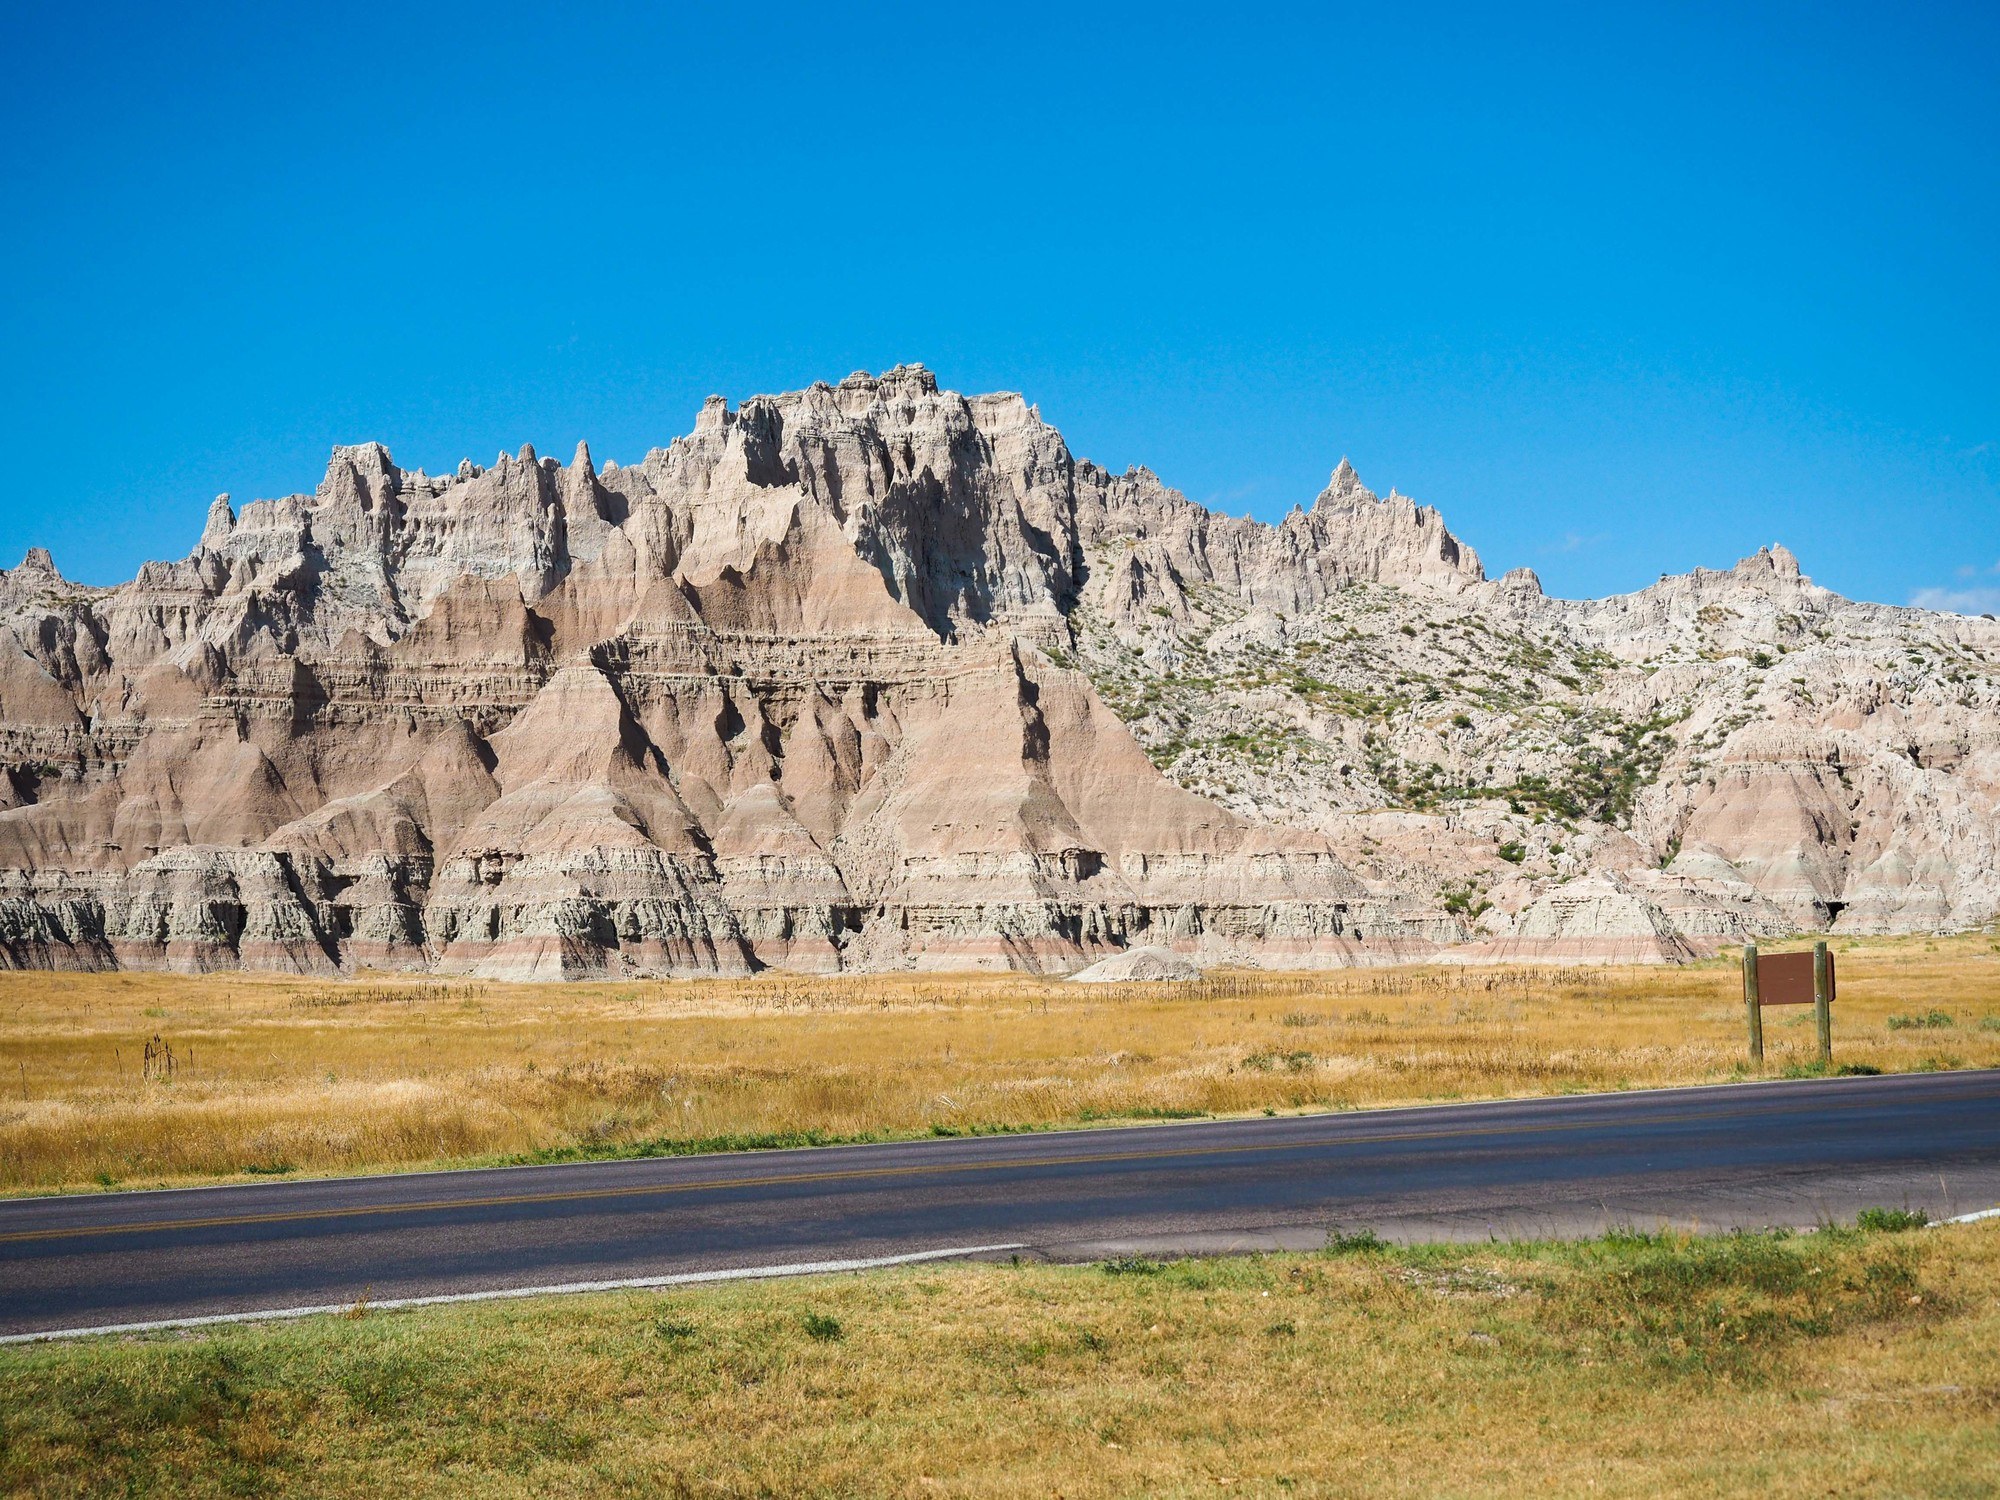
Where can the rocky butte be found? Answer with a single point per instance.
(873, 675)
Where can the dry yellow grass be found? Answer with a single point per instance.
(1839, 1363)
(312, 1076)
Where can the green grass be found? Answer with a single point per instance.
(1848, 1361)
(1892, 1220)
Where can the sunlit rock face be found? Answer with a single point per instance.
(873, 675)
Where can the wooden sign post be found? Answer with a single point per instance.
(1753, 1005)
(1789, 979)
(1823, 1001)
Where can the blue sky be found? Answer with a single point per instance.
(1620, 289)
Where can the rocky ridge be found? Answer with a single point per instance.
(874, 675)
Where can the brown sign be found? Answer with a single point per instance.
(1787, 978)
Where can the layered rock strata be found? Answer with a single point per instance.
(874, 675)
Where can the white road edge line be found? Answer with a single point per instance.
(1984, 1213)
(684, 1278)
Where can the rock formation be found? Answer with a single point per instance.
(1139, 966)
(873, 675)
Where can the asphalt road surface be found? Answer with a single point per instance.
(1797, 1153)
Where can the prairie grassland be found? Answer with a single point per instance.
(1844, 1362)
(131, 1080)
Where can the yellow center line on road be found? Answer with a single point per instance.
(851, 1174)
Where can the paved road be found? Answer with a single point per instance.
(1748, 1154)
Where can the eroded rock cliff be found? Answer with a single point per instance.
(875, 675)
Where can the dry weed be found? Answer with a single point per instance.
(271, 1076)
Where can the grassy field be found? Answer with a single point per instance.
(1839, 1363)
(134, 1080)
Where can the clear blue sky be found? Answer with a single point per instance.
(1620, 288)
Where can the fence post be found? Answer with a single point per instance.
(1752, 1008)
(1823, 1002)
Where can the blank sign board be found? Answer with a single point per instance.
(1787, 978)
